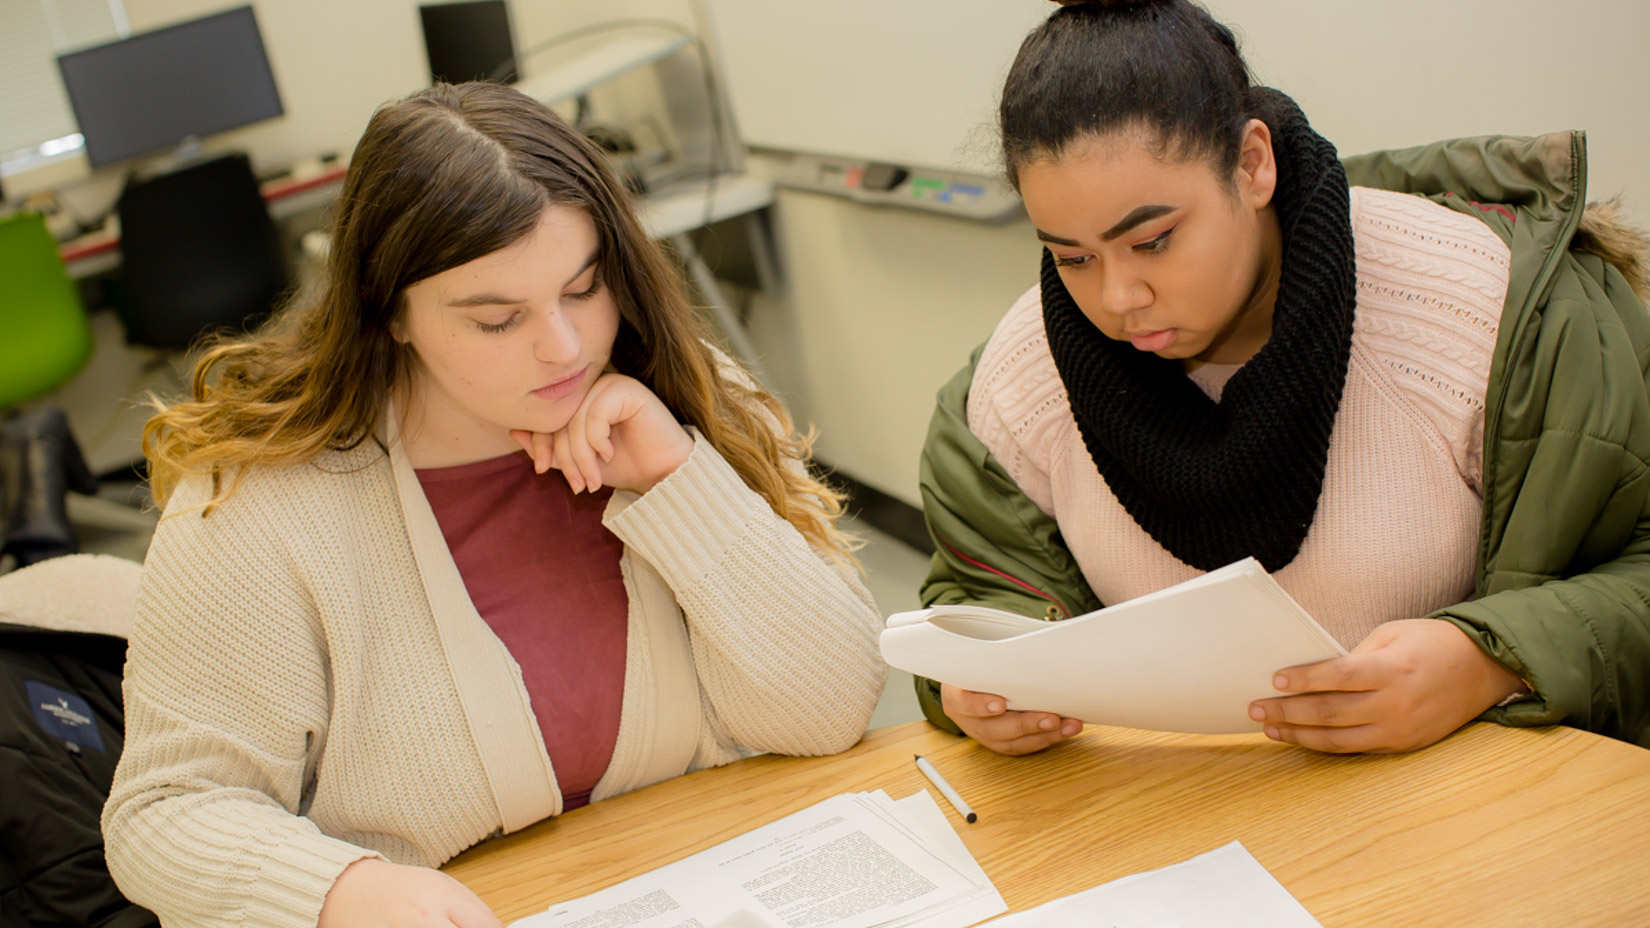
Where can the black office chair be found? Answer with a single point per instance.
(198, 252)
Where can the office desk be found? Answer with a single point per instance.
(1493, 826)
(670, 211)
(669, 214)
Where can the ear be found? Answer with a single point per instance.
(398, 322)
(1257, 169)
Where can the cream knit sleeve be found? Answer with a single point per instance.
(784, 637)
(226, 712)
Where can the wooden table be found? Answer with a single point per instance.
(1493, 826)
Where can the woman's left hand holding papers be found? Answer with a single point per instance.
(1409, 684)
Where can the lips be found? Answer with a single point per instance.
(557, 389)
(1152, 341)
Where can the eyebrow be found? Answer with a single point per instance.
(1140, 214)
(493, 299)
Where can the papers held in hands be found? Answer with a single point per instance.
(1188, 658)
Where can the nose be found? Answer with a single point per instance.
(555, 339)
(1123, 292)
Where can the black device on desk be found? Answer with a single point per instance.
(198, 249)
(468, 41)
(199, 253)
(156, 90)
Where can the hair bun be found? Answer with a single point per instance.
(1113, 4)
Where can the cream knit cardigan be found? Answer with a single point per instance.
(308, 682)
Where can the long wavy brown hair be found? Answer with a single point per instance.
(438, 179)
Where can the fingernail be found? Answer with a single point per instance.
(993, 707)
(1272, 733)
(1068, 729)
(1257, 713)
(1280, 682)
(1046, 724)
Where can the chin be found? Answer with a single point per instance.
(1185, 352)
(544, 425)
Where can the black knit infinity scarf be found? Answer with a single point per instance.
(1217, 482)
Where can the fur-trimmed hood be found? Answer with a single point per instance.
(1605, 231)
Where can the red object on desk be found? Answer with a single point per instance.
(92, 243)
(287, 186)
(96, 243)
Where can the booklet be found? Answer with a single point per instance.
(1189, 658)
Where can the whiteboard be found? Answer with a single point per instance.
(910, 81)
(917, 81)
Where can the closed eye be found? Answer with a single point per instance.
(1157, 245)
(595, 288)
(495, 327)
(1073, 261)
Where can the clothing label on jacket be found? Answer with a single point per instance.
(64, 715)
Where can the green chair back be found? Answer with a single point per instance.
(44, 336)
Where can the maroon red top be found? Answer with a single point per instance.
(544, 573)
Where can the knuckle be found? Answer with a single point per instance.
(1285, 711)
(1326, 712)
(1025, 745)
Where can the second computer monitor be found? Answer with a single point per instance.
(469, 41)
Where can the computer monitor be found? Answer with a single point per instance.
(468, 41)
(155, 90)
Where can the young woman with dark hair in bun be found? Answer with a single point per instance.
(1410, 383)
(482, 531)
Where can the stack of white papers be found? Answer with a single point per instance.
(1188, 658)
(1225, 888)
(858, 860)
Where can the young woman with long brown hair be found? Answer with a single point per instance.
(373, 632)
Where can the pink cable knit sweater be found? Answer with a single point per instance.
(1396, 530)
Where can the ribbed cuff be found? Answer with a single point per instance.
(686, 523)
(294, 879)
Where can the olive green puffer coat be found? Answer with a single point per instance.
(1562, 595)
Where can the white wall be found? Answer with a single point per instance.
(882, 305)
(1407, 72)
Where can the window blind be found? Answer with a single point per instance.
(34, 108)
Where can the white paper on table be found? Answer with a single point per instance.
(924, 817)
(1225, 888)
(1188, 658)
(848, 862)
